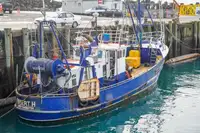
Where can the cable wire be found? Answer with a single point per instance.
(181, 42)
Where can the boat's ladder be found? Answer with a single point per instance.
(153, 54)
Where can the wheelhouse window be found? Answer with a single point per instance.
(100, 54)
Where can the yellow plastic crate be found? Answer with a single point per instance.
(133, 62)
(134, 53)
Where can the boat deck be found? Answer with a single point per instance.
(142, 69)
(139, 71)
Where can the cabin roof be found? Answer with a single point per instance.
(112, 46)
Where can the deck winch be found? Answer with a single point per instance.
(47, 69)
(45, 66)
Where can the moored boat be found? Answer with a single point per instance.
(102, 73)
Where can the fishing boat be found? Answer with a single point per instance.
(104, 71)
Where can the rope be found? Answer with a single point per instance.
(16, 87)
(181, 42)
(20, 78)
(63, 37)
(7, 112)
(12, 108)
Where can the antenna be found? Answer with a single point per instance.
(161, 14)
(43, 11)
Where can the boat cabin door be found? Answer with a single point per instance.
(110, 65)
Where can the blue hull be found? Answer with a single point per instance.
(63, 108)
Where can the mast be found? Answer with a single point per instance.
(139, 10)
(44, 12)
(41, 31)
(160, 13)
(140, 25)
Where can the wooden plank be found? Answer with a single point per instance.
(9, 56)
(26, 42)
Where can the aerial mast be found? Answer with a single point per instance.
(41, 31)
(44, 11)
(140, 25)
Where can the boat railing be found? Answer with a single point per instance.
(27, 91)
(124, 37)
(63, 94)
(116, 36)
(148, 37)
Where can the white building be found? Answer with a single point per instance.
(79, 6)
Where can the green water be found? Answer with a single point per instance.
(174, 107)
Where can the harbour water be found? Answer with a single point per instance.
(172, 108)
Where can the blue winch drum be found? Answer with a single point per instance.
(47, 66)
(106, 37)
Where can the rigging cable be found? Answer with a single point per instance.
(181, 42)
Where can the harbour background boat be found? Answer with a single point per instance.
(171, 107)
